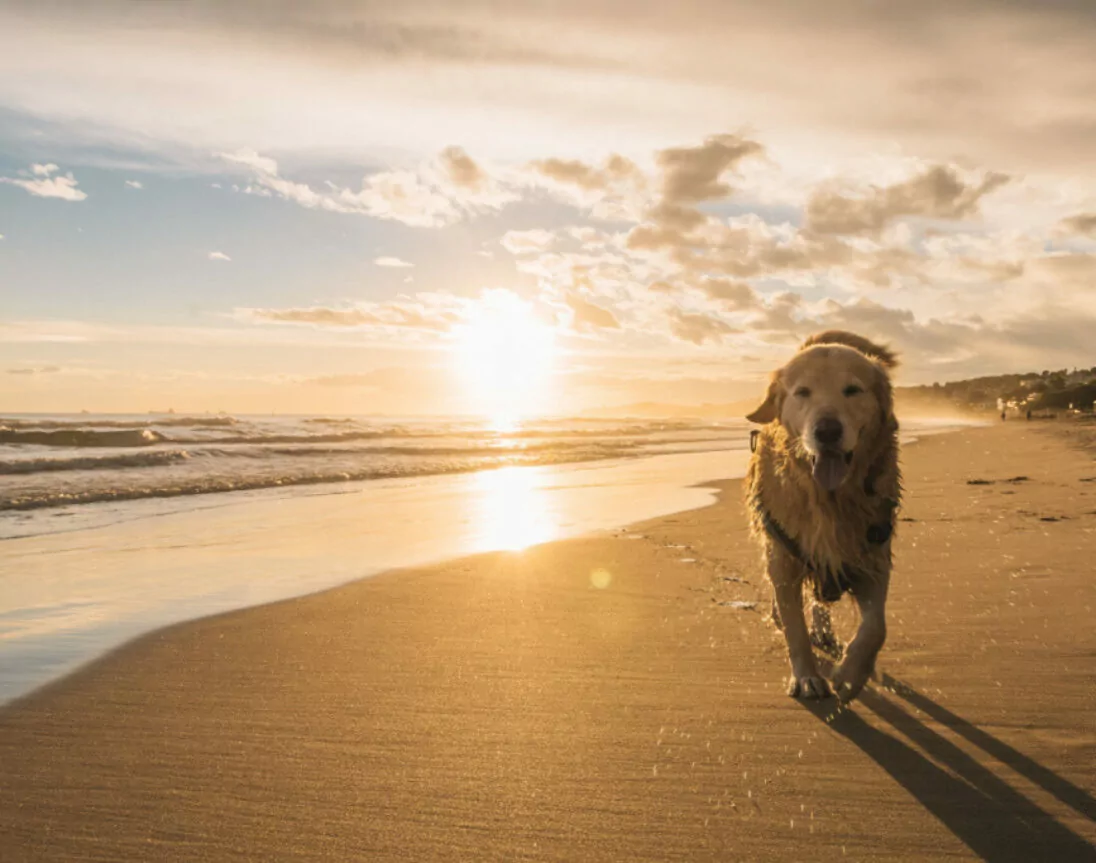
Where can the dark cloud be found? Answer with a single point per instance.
(1082, 223)
(692, 175)
(589, 316)
(572, 172)
(937, 193)
(698, 328)
(734, 295)
(689, 176)
(462, 170)
(36, 370)
(742, 252)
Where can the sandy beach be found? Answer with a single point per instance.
(613, 697)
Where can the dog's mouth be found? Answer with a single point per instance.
(831, 466)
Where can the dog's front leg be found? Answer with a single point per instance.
(787, 581)
(859, 662)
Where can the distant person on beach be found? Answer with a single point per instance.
(1002, 416)
(1029, 414)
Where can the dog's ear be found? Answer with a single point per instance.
(884, 396)
(769, 409)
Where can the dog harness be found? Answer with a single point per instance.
(829, 585)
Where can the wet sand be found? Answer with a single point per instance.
(608, 698)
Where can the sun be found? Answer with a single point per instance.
(505, 355)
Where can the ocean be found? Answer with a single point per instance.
(51, 464)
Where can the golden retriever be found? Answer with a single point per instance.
(823, 487)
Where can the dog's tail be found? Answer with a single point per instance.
(882, 353)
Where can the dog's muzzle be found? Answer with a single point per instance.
(831, 461)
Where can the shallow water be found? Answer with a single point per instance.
(69, 597)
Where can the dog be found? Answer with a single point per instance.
(823, 489)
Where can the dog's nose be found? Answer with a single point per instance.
(828, 431)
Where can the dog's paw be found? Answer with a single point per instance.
(849, 680)
(808, 687)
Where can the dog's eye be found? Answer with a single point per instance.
(853, 390)
(803, 392)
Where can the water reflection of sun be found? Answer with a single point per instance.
(505, 355)
(511, 509)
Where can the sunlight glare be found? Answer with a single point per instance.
(511, 510)
(506, 356)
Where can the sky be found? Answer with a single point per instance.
(533, 207)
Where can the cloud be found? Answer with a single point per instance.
(696, 174)
(434, 195)
(613, 191)
(734, 295)
(392, 262)
(1083, 224)
(251, 159)
(432, 313)
(690, 176)
(698, 327)
(525, 242)
(219, 256)
(571, 172)
(402, 196)
(589, 316)
(1002, 82)
(462, 170)
(47, 185)
(134, 184)
(939, 192)
(35, 370)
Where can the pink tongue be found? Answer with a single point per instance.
(830, 470)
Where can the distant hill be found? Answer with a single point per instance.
(1046, 390)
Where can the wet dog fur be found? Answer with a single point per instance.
(825, 469)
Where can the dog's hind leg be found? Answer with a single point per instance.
(859, 662)
(787, 581)
(822, 635)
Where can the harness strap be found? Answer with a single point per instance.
(829, 585)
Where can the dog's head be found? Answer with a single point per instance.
(834, 399)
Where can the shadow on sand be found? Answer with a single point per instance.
(994, 820)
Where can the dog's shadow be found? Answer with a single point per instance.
(994, 820)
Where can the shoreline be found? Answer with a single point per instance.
(602, 698)
(133, 577)
(36, 508)
(60, 639)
